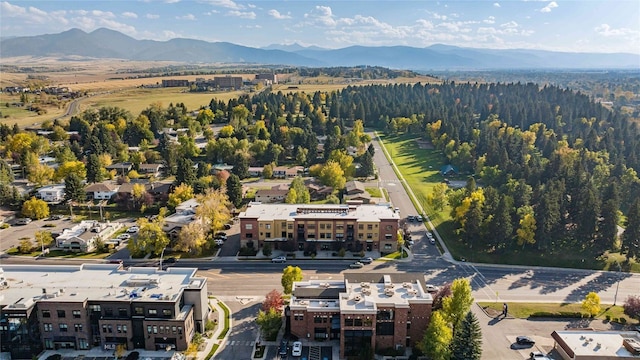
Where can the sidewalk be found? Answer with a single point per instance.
(218, 315)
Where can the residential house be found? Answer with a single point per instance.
(283, 172)
(160, 190)
(317, 191)
(277, 193)
(448, 170)
(150, 169)
(312, 227)
(354, 187)
(363, 198)
(185, 214)
(255, 171)
(366, 310)
(82, 237)
(122, 169)
(99, 306)
(102, 190)
(53, 194)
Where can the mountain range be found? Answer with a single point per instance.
(106, 43)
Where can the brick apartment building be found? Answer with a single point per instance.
(320, 227)
(366, 310)
(99, 305)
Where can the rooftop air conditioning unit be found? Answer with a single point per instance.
(357, 298)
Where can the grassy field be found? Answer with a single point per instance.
(527, 310)
(420, 168)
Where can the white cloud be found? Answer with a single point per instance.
(12, 10)
(322, 15)
(152, 16)
(277, 15)
(489, 20)
(103, 14)
(225, 3)
(168, 34)
(190, 17)
(130, 15)
(509, 25)
(171, 1)
(242, 14)
(496, 5)
(549, 6)
(608, 31)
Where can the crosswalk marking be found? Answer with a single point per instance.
(239, 343)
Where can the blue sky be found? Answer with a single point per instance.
(575, 26)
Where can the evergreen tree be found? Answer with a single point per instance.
(6, 174)
(94, 171)
(241, 166)
(366, 164)
(186, 173)
(73, 188)
(234, 190)
(631, 236)
(610, 217)
(467, 340)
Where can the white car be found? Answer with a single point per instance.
(432, 288)
(218, 242)
(124, 236)
(296, 350)
(133, 230)
(279, 259)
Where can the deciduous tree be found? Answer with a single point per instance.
(632, 307)
(191, 238)
(333, 175)
(455, 307)
(180, 194)
(591, 304)
(437, 338)
(290, 274)
(35, 209)
(151, 237)
(270, 323)
(213, 210)
(273, 300)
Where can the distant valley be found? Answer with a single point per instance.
(104, 43)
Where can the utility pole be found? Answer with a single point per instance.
(615, 297)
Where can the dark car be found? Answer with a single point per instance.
(170, 260)
(283, 348)
(524, 340)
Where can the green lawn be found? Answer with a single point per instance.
(527, 310)
(374, 192)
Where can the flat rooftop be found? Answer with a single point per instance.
(597, 344)
(102, 282)
(366, 297)
(291, 212)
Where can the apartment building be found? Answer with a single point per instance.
(320, 227)
(366, 310)
(99, 305)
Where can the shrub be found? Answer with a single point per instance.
(4, 226)
(134, 355)
(266, 249)
(247, 251)
(623, 321)
(54, 357)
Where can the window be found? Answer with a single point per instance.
(173, 329)
(148, 329)
(63, 327)
(298, 317)
(268, 235)
(312, 226)
(153, 312)
(104, 328)
(283, 224)
(77, 327)
(289, 226)
(76, 314)
(328, 226)
(387, 246)
(108, 312)
(348, 322)
(408, 325)
(48, 344)
(179, 329)
(321, 226)
(370, 227)
(267, 226)
(48, 327)
(138, 310)
(361, 226)
(248, 235)
(369, 236)
(388, 227)
(357, 322)
(94, 308)
(360, 236)
(166, 312)
(317, 319)
(155, 329)
(321, 235)
(46, 313)
(385, 328)
(61, 313)
(311, 235)
(110, 328)
(124, 329)
(122, 312)
(83, 344)
(248, 226)
(119, 329)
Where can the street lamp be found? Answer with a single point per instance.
(615, 297)
(161, 255)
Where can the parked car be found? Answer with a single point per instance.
(356, 265)
(170, 260)
(419, 218)
(23, 221)
(410, 218)
(222, 237)
(124, 236)
(366, 260)
(429, 235)
(432, 288)
(218, 242)
(432, 241)
(410, 242)
(296, 350)
(54, 217)
(133, 230)
(279, 259)
(283, 347)
(524, 340)
(537, 355)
